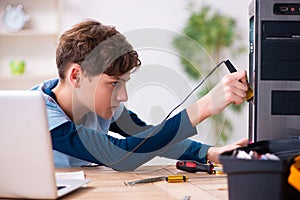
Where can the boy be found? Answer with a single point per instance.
(94, 63)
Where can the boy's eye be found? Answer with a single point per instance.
(114, 83)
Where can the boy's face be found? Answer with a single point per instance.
(103, 94)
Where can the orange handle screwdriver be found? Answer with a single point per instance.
(169, 179)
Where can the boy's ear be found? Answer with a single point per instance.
(75, 75)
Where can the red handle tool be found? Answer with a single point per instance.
(193, 166)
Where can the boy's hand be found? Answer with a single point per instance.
(213, 153)
(231, 89)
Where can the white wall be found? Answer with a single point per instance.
(166, 18)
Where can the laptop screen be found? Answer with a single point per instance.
(27, 169)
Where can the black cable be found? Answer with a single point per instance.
(184, 100)
(166, 118)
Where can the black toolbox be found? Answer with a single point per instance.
(261, 179)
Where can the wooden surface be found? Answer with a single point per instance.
(109, 184)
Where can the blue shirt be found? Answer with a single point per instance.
(89, 142)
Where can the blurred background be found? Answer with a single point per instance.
(178, 41)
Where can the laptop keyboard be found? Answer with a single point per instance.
(60, 187)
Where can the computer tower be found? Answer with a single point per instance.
(274, 69)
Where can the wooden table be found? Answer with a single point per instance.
(109, 184)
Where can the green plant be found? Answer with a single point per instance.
(205, 38)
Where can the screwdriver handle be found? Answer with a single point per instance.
(176, 178)
(193, 166)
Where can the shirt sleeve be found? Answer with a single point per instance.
(128, 124)
(121, 154)
(189, 150)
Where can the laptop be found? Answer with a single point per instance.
(27, 167)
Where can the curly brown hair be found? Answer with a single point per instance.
(97, 48)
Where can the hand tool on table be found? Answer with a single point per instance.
(169, 179)
(193, 166)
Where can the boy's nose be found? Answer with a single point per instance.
(122, 95)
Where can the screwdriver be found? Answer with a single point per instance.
(169, 179)
(193, 166)
(231, 68)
